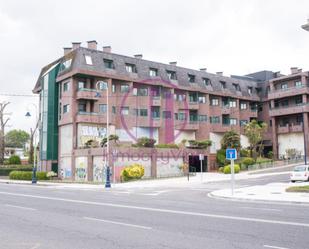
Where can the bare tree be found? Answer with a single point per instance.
(3, 123)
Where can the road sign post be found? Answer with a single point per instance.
(231, 154)
(201, 157)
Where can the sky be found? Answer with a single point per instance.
(236, 37)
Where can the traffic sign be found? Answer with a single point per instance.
(231, 154)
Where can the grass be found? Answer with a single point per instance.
(301, 189)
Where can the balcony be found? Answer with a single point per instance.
(85, 93)
(290, 128)
(147, 122)
(93, 117)
(155, 100)
(184, 105)
(283, 129)
(186, 125)
(287, 92)
(287, 110)
(222, 128)
(296, 128)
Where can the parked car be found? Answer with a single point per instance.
(300, 173)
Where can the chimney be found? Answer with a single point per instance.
(75, 45)
(203, 69)
(294, 70)
(219, 73)
(300, 70)
(277, 74)
(138, 56)
(92, 44)
(107, 49)
(66, 51)
(173, 63)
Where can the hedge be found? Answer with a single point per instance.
(14, 159)
(167, 146)
(27, 175)
(227, 169)
(5, 171)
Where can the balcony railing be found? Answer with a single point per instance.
(290, 91)
(86, 93)
(289, 109)
(290, 128)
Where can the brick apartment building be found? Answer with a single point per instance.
(162, 101)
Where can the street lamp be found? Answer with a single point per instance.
(102, 85)
(33, 134)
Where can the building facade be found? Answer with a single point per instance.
(149, 99)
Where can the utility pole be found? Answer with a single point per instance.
(3, 123)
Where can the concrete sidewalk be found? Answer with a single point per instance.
(274, 192)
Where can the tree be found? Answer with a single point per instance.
(16, 138)
(3, 123)
(254, 131)
(231, 139)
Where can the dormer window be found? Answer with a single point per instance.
(153, 72)
(236, 87)
(65, 65)
(88, 60)
(250, 90)
(223, 84)
(109, 64)
(171, 75)
(131, 68)
(191, 78)
(206, 81)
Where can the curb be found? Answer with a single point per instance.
(211, 195)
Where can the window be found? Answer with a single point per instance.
(299, 119)
(191, 78)
(284, 86)
(180, 97)
(124, 88)
(66, 109)
(109, 64)
(171, 75)
(250, 90)
(243, 122)
(66, 86)
(167, 94)
(81, 85)
(114, 109)
(285, 102)
(258, 90)
(298, 84)
(153, 72)
(88, 59)
(253, 107)
(142, 91)
(166, 114)
(143, 112)
(102, 108)
(202, 118)
(225, 102)
(82, 107)
(180, 116)
(113, 88)
(232, 103)
(233, 121)
(155, 112)
(243, 105)
(131, 68)
(298, 100)
(223, 84)
(202, 99)
(206, 81)
(214, 120)
(65, 65)
(124, 110)
(193, 97)
(237, 87)
(214, 101)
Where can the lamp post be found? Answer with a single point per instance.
(102, 85)
(33, 134)
(305, 27)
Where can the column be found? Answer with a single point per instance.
(275, 138)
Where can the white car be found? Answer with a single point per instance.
(300, 173)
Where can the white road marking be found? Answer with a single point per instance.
(160, 210)
(20, 207)
(118, 223)
(264, 209)
(275, 247)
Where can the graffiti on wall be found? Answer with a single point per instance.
(81, 169)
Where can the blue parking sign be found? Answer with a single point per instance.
(231, 154)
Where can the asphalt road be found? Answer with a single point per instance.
(42, 217)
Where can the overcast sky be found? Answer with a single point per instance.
(236, 37)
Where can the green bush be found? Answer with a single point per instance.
(27, 175)
(5, 171)
(247, 161)
(220, 170)
(145, 142)
(165, 146)
(227, 169)
(132, 172)
(14, 159)
(220, 157)
(244, 153)
(199, 144)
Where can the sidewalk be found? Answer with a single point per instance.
(274, 192)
